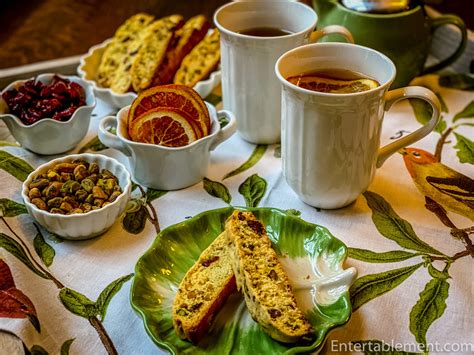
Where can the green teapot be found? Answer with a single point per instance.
(405, 37)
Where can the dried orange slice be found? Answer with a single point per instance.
(164, 126)
(173, 96)
(336, 86)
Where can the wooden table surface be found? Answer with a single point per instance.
(34, 31)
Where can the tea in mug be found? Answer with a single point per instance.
(334, 81)
(265, 32)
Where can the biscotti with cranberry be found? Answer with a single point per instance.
(118, 49)
(187, 37)
(203, 291)
(158, 39)
(263, 281)
(201, 61)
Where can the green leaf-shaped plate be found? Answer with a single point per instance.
(311, 256)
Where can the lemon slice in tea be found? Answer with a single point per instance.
(334, 86)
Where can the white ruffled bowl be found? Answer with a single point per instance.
(89, 64)
(48, 136)
(83, 225)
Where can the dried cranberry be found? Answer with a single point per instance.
(34, 100)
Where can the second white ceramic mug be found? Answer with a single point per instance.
(250, 88)
(330, 142)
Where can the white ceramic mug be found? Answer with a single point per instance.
(166, 168)
(250, 88)
(330, 142)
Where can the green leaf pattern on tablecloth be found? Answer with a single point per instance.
(77, 303)
(253, 189)
(43, 249)
(393, 227)
(38, 350)
(423, 112)
(82, 306)
(256, 155)
(467, 112)
(10, 208)
(371, 286)
(385, 257)
(15, 166)
(153, 194)
(465, 149)
(217, 189)
(430, 306)
(66, 346)
(106, 295)
(14, 248)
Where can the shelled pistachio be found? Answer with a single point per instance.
(75, 187)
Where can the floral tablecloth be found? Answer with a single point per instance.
(409, 236)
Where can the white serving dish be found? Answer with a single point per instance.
(89, 64)
(84, 225)
(48, 136)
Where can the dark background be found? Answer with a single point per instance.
(32, 31)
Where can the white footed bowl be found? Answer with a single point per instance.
(48, 136)
(84, 225)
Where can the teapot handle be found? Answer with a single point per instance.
(443, 21)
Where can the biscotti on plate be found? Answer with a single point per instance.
(201, 61)
(203, 291)
(262, 280)
(157, 40)
(119, 49)
(186, 38)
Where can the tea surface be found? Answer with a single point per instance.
(266, 32)
(336, 81)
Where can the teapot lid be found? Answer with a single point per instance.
(377, 6)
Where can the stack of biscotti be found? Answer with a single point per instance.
(123, 46)
(203, 291)
(243, 250)
(145, 53)
(200, 62)
(187, 37)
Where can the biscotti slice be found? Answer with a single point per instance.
(118, 49)
(200, 62)
(187, 37)
(264, 283)
(159, 36)
(203, 291)
(122, 80)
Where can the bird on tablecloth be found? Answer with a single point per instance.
(447, 187)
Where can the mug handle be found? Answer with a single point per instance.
(443, 21)
(227, 131)
(109, 139)
(408, 92)
(331, 29)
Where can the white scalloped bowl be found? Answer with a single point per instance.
(48, 136)
(89, 64)
(84, 225)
